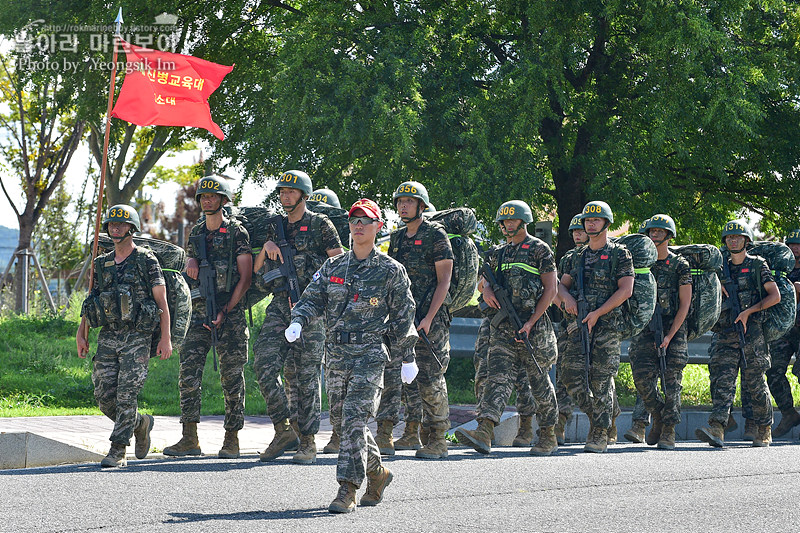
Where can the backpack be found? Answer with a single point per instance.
(337, 215)
(705, 260)
(460, 223)
(172, 259)
(779, 318)
(638, 309)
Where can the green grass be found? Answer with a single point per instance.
(40, 375)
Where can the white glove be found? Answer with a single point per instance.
(292, 333)
(409, 372)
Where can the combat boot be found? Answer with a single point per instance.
(436, 447)
(732, 425)
(763, 437)
(612, 431)
(296, 427)
(525, 434)
(561, 429)
(636, 432)
(188, 445)
(384, 437)
(410, 438)
(667, 440)
(597, 441)
(377, 481)
(480, 438)
(713, 434)
(655, 430)
(789, 419)
(307, 451)
(115, 457)
(285, 437)
(142, 435)
(424, 433)
(345, 501)
(230, 446)
(333, 444)
(547, 442)
(750, 429)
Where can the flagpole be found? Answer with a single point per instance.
(104, 163)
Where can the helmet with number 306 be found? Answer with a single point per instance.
(514, 210)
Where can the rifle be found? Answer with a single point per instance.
(583, 310)
(733, 301)
(507, 310)
(287, 268)
(657, 327)
(208, 289)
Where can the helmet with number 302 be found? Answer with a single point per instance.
(214, 184)
(122, 213)
(514, 210)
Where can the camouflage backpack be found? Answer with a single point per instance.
(705, 260)
(638, 309)
(172, 259)
(781, 317)
(460, 223)
(337, 215)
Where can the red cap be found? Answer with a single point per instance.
(368, 206)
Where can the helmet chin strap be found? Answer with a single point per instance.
(217, 210)
(595, 233)
(740, 250)
(406, 220)
(118, 240)
(508, 233)
(290, 209)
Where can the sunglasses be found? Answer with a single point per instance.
(365, 221)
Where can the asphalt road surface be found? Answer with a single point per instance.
(630, 488)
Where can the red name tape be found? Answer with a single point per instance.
(334, 279)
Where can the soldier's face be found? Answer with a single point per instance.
(407, 206)
(735, 242)
(210, 201)
(364, 233)
(289, 197)
(657, 234)
(795, 248)
(593, 225)
(579, 236)
(510, 225)
(118, 229)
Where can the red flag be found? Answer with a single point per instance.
(166, 89)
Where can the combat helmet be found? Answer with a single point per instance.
(325, 196)
(575, 223)
(122, 213)
(411, 189)
(737, 227)
(793, 237)
(663, 222)
(214, 184)
(643, 226)
(296, 179)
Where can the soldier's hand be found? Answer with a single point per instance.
(273, 252)
(164, 350)
(591, 319)
(83, 345)
(525, 331)
(192, 268)
(409, 372)
(570, 305)
(742, 318)
(424, 325)
(292, 333)
(490, 298)
(220, 319)
(724, 292)
(666, 341)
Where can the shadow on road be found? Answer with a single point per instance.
(291, 514)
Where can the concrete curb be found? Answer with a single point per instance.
(28, 450)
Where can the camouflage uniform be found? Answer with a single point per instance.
(223, 246)
(520, 267)
(312, 237)
(418, 254)
(565, 404)
(671, 273)
(723, 366)
(356, 298)
(781, 352)
(123, 347)
(600, 279)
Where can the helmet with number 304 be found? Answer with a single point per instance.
(214, 184)
(325, 196)
(514, 210)
(296, 179)
(411, 189)
(122, 213)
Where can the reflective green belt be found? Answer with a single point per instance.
(641, 270)
(523, 266)
(170, 270)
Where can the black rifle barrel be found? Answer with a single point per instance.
(208, 290)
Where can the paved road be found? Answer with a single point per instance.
(631, 488)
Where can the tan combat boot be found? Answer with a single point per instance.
(410, 438)
(424, 433)
(655, 430)
(597, 441)
(612, 431)
(547, 442)
(115, 457)
(307, 451)
(750, 429)
(333, 444)
(188, 445)
(285, 437)
(377, 481)
(142, 435)
(384, 437)
(561, 429)
(636, 432)
(436, 447)
(763, 437)
(713, 434)
(732, 425)
(345, 501)
(789, 419)
(525, 434)
(479, 438)
(230, 446)
(296, 428)
(667, 440)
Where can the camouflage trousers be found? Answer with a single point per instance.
(597, 398)
(430, 381)
(119, 370)
(645, 369)
(525, 403)
(232, 352)
(640, 411)
(723, 369)
(354, 380)
(301, 362)
(504, 352)
(781, 352)
(565, 404)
